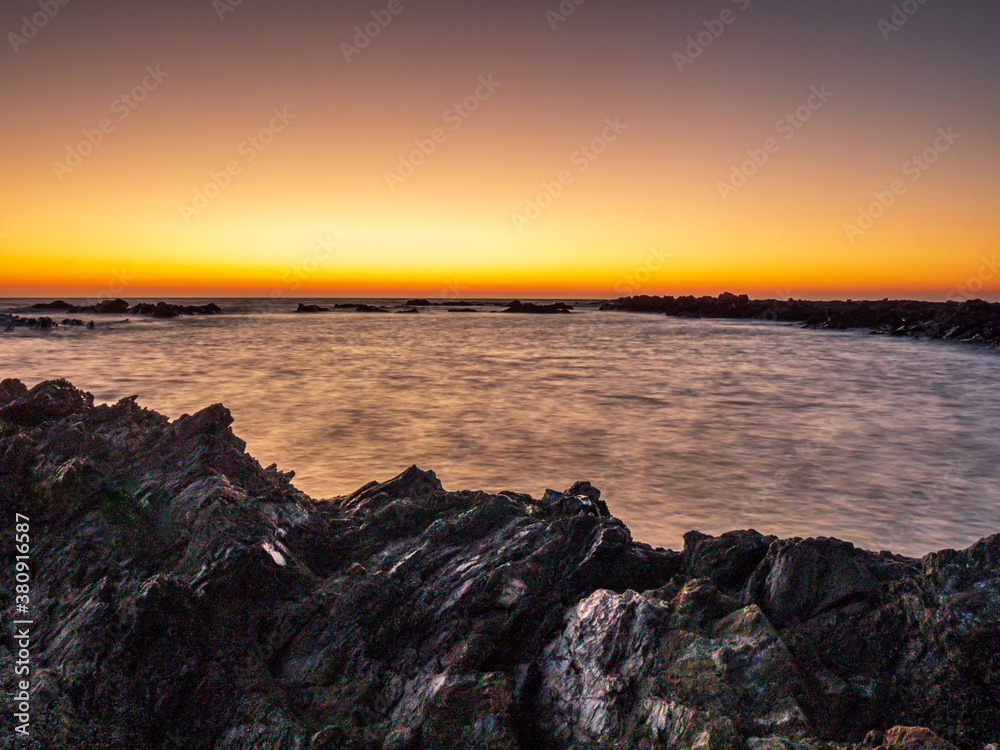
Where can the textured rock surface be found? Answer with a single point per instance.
(186, 597)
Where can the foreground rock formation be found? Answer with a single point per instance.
(973, 321)
(185, 597)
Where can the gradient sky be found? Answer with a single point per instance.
(312, 212)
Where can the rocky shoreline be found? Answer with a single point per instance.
(972, 321)
(184, 597)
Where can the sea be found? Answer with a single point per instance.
(684, 424)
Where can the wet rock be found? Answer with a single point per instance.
(417, 303)
(303, 308)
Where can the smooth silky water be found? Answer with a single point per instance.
(683, 424)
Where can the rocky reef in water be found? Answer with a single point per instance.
(122, 307)
(185, 597)
(555, 308)
(975, 321)
(10, 320)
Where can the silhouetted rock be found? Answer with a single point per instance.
(168, 310)
(109, 306)
(530, 307)
(417, 303)
(10, 321)
(185, 597)
(303, 308)
(972, 321)
(120, 306)
(362, 307)
(56, 305)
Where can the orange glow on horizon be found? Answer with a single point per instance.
(278, 168)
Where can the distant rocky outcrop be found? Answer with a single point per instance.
(10, 321)
(121, 307)
(417, 303)
(184, 596)
(530, 307)
(167, 310)
(354, 306)
(974, 321)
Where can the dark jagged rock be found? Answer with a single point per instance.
(530, 307)
(974, 321)
(51, 400)
(417, 303)
(303, 308)
(185, 597)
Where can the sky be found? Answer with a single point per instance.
(442, 148)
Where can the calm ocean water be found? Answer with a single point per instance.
(683, 424)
